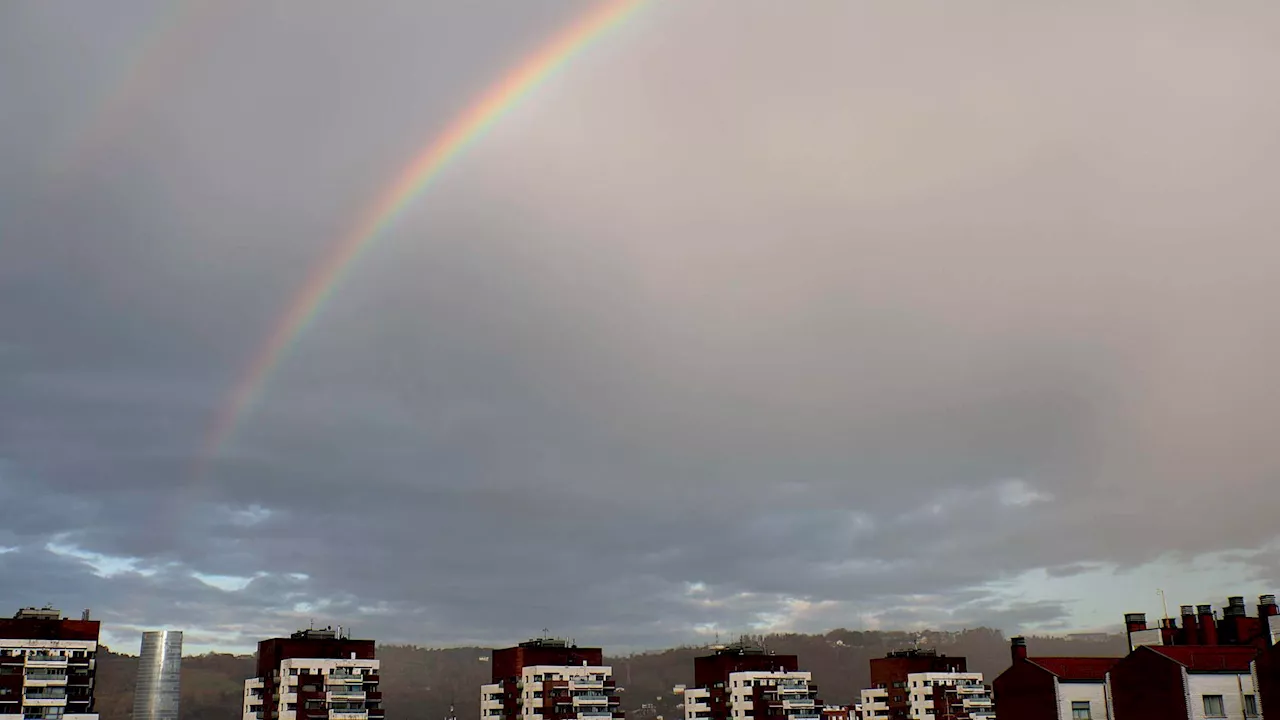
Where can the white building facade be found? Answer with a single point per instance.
(554, 692)
(962, 690)
(758, 694)
(337, 689)
(1214, 696)
(874, 703)
(47, 666)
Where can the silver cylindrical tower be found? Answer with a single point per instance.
(159, 668)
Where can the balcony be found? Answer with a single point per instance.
(348, 714)
(586, 684)
(344, 678)
(41, 701)
(41, 679)
(344, 694)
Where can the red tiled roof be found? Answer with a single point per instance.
(1209, 658)
(1076, 668)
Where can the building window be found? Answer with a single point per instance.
(1080, 710)
(1213, 706)
(1251, 706)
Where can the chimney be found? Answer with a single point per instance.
(1018, 647)
(1208, 625)
(1267, 606)
(1133, 622)
(1190, 633)
(1234, 608)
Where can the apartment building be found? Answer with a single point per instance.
(1053, 688)
(741, 681)
(890, 693)
(1185, 682)
(550, 679)
(949, 696)
(1197, 665)
(47, 666)
(314, 675)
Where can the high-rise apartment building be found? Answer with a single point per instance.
(47, 666)
(157, 692)
(314, 675)
(890, 693)
(549, 679)
(740, 681)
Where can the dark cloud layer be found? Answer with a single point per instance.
(753, 317)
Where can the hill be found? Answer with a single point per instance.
(420, 683)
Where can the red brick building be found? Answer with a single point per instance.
(1266, 676)
(314, 675)
(48, 665)
(1178, 682)
(550, 678)
(1052, 688)
(890, 672)
(741, 681)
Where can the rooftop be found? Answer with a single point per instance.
(44, 613)
(1076, 668)
(1209, 658)
(545, 643)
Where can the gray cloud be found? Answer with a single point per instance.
(750, 318)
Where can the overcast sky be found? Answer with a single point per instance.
(758, 316)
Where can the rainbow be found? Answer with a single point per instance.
(166, 47)
(412, 181)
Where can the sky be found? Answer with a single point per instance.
(756, 317)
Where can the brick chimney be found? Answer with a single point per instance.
(1190, 633)
(1133, 622)
(1267, 606)
(1018, 648)
(1208, 625)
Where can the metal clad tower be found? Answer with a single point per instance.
(159, 669)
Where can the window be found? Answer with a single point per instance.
(1213, 706)
(1251, 706)
(1080, 710)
